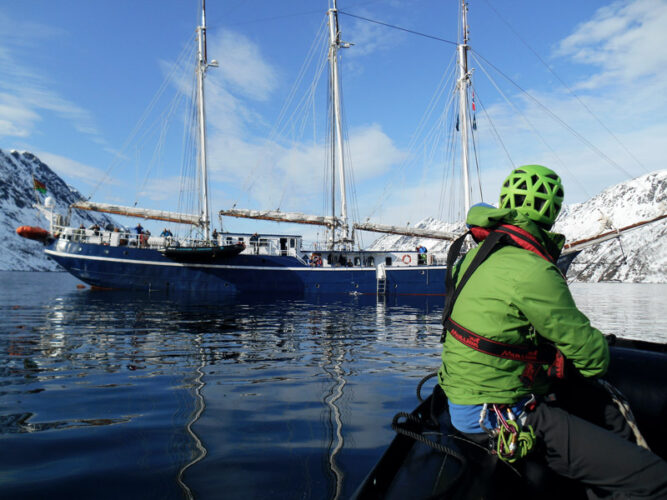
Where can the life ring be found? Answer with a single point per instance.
(406, 259)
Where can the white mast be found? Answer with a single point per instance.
(334, 45)
(202, 66)
(463, 84)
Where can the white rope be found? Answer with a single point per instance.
(624, 407)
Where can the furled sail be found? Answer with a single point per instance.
(406, 231)
(144, 213)
(278, 216)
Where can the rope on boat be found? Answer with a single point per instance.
(624, 407)
(421, 384)
(417, 436)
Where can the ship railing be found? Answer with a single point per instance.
(118, 238)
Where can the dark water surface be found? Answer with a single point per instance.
(119, 395)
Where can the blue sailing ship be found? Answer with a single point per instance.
(243, 262)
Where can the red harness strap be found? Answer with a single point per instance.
(520, 237)
(533, 356)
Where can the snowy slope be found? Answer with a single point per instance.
(638, 256)
(17, 197)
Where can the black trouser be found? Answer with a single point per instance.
(582, 435)
(602, 460)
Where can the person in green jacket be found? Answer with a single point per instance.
(512, 305)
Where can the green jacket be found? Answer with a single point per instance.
(515, 297)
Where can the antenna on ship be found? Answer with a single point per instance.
(335, 43)
(463, 84)
(202, 67)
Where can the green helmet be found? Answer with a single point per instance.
(534, 191)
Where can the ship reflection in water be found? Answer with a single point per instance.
(108, 394)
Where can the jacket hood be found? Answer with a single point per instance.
(490, 217)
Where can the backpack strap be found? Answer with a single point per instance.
(452, 291)
(523, 239)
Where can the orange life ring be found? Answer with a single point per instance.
(406, 259)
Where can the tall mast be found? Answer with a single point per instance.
(334, 44)
(463, 84)
(202, 66)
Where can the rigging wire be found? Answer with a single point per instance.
(570, 91)
(556, 117)
(351, 187)
(576, 134)
(184, 55)
(217, 24)
(162, 124)
(494, 130)
(294, 123)
(398, 28)
(526, 119)
(473, 137)
(187, 199)
(420, 136)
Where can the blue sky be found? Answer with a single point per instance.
(76, 76)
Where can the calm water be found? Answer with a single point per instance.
(110, 395)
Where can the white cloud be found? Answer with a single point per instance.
(162, 189)
(624, 40)
(372, 152)
(66, 167)
(17, 118)
(243, 68)
(28, 94)
(291, 177)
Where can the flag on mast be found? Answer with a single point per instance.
(39, 186)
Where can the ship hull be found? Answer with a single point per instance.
(129, 268)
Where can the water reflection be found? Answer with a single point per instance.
(200, 406)
(332, 364)
(20, 423)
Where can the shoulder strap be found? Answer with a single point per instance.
(523, 239)
(451, 289)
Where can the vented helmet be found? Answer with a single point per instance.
(534, 191)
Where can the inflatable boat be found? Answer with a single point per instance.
(428, 460)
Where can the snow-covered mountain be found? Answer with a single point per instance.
(639, 255)
(17, 197)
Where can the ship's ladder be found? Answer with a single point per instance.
(381, 275)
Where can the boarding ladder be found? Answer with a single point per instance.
(381, 275)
